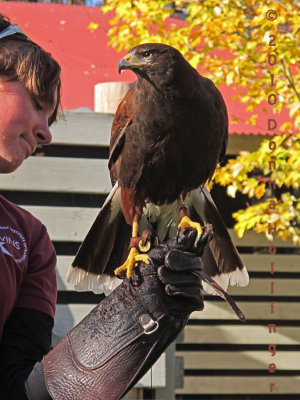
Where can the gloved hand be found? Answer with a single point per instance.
(177, 264)
(181, 272)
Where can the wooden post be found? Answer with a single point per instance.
(108, 96)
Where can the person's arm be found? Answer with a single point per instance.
(27, 331)
(26, 339)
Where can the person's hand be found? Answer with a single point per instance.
(177, 264)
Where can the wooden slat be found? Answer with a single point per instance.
(240, 385)
(65, 223)
(57, 174)
(63, 263)
(262, 262)
(82, 128)
(69, 315)
(134, 394)
(252, 310)
(255, 360)
(241, 334)
(157, 376)
(262, 287)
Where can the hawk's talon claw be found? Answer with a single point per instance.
(186, 222)
(133, 259)
(144, 247)
(178, 233)
(197, 241)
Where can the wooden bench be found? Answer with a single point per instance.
(65, 184)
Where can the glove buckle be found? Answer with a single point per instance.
(148, 324)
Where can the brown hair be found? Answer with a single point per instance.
(23, 60)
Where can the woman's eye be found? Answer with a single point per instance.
(37, 105)
(147, 54)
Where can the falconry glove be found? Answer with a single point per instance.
(120, 339)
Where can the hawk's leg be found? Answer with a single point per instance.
(134, 257)
(185, 223)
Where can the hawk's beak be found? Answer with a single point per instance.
(130, 62)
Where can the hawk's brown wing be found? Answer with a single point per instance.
(103, 249)
(121, 122)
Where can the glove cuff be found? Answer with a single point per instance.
(110, 349)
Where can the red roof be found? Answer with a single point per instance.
(86, 58)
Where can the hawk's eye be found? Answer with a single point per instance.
(147, 54)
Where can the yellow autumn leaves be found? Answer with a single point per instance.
(250, 173)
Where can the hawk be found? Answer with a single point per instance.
(168, 135)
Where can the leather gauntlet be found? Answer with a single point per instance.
(111, 349)
(120, 339)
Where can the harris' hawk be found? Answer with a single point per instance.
(168, 135)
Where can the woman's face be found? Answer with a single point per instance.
(23, 125)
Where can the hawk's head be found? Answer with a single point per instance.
(151, 59)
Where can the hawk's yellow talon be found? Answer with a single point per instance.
(133, 258)
(186, 222)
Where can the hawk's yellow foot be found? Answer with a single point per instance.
(133, 258)
(186, 222)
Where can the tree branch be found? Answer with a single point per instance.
(290, 78)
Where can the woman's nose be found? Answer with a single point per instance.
(43, 134)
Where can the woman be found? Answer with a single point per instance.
(29, 101)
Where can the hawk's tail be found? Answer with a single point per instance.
(104, 246)
(221, 259)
